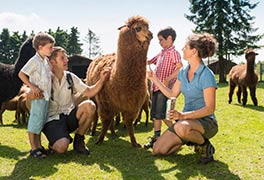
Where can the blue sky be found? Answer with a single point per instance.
(104, 17)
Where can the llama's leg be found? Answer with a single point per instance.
(138, 117)
(118, 119)
(146, 106)
(244, 91)
(18, 114)
(147, 115)
(112, 128)
(23, 117)
(1, 114)
(105, 126)
(128, 120)
(95, 121)
(231, 91)
(239, 90)
(253, 95)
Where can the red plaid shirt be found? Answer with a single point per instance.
(165, 63)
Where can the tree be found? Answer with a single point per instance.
(230, 22)
(5, 55)
(73, 45)
(93, 42)
(61, 37)
(14, 45)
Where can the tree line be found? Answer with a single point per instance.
(70, 41)
(231, 23)
(229, 20)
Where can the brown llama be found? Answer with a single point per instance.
(243, 76)
(23, 107)
(12, 104)
(126, 90)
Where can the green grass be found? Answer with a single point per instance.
(239, 151)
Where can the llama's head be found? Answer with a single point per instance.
(250, 55)
(25, 53)
(135, 33)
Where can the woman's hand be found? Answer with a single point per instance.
(174, 115)
(150, 74)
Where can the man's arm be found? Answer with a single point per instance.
(91, 91)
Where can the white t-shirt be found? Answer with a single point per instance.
(39, 73)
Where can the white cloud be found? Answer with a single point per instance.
(19, 22)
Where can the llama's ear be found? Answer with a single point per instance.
(121, 27)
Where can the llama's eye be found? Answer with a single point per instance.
(138, 29)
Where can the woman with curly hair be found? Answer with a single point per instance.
(196, 124)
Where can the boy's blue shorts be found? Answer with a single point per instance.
(38, 115)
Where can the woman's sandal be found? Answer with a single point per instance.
(37, 153)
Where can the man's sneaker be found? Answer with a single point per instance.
(79, 145)
(153, 139)
(206, 151)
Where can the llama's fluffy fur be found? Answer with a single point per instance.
(126, 90)
(10, 83)
(244, 76)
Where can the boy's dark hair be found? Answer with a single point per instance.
(168, 31)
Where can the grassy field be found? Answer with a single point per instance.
(239, 151)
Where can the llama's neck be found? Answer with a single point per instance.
(18, 66)
(132, 66)
(250, 67)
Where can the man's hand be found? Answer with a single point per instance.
(105, 73)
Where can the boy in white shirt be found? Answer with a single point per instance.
(37, 75)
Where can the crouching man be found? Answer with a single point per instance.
(63, 116)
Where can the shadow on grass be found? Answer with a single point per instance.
(121, 130)
(118, 155)
(250, 106)
(187, 167)
(10, 153)
(15, 125)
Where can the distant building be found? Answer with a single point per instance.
(78, 65)
(214, 65)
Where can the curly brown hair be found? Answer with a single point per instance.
(204, 43)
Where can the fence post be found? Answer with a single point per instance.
(261, 72)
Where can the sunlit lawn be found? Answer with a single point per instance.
(239, 151)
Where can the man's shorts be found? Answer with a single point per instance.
(57, 129)
(158, 106)
(38, 115)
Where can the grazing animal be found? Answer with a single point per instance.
(23, 107)
(10, 83)
(244, 76)
(126, 90)
(10, 105)
(13, 104)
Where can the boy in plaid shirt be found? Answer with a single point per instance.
(168, 62)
